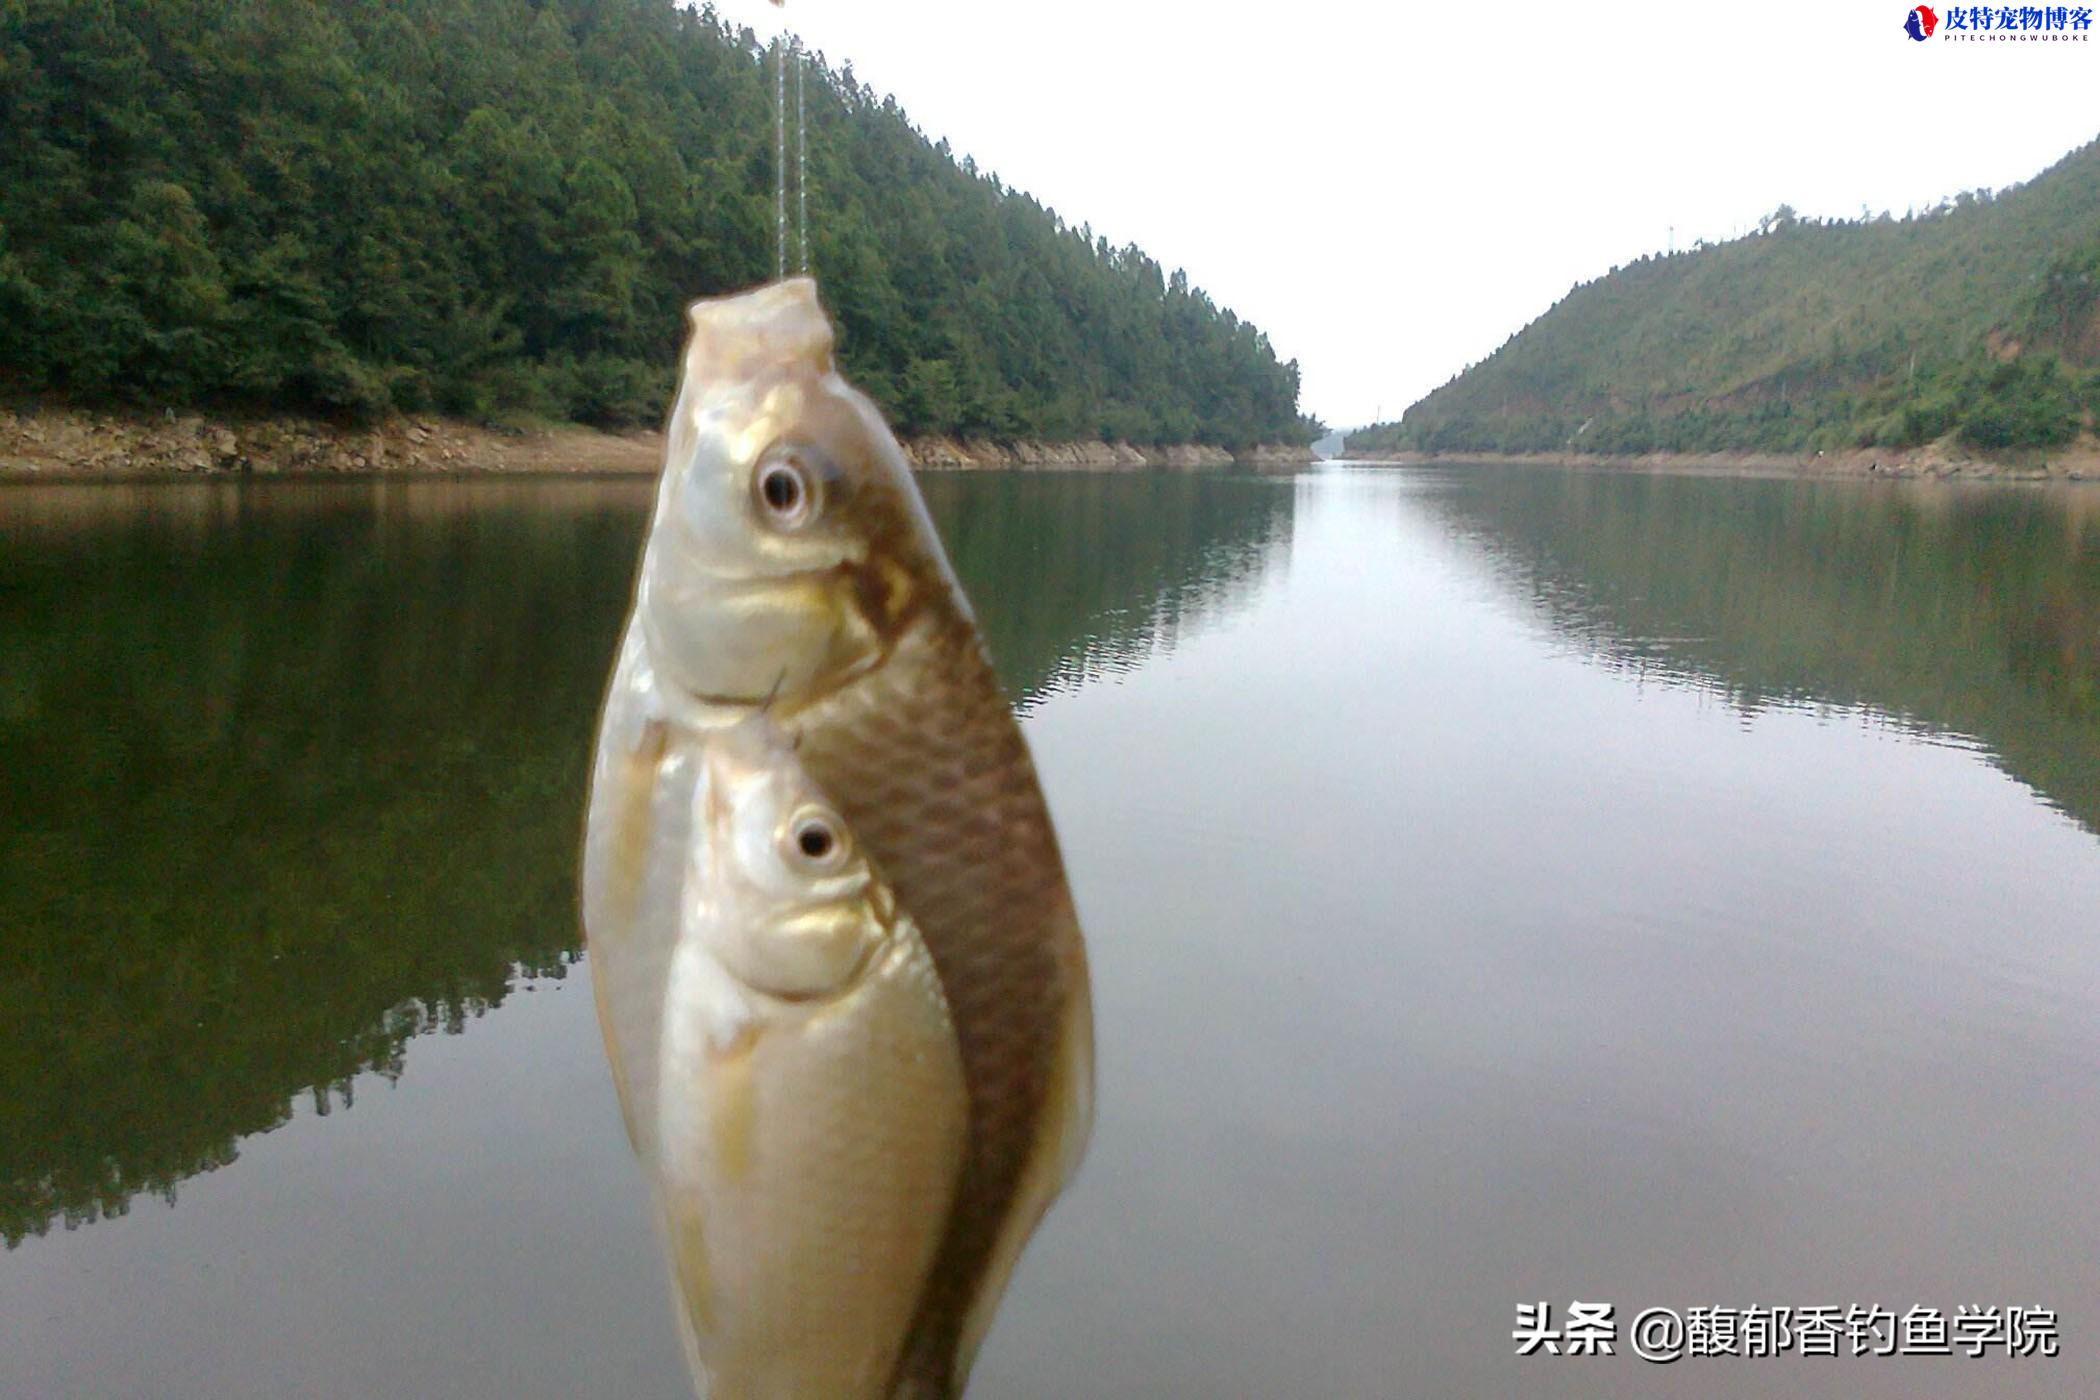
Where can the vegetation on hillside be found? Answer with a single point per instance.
(484, 207)
(1976, 318)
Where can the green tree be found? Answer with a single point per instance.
(502, 206)
(1809, 335)
(166, 301)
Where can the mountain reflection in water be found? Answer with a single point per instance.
(292, 773)
(1970, 613)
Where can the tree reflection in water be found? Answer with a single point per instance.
(290, 774)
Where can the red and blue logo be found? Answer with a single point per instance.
(1921, 23)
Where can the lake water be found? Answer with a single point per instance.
(1502, 886)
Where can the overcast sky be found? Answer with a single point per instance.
(1391, 190)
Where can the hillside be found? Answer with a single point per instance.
(499, 207)
(1976, 318)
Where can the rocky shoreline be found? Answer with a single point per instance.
(1938, 461)
(1028, 454)
(69, 444)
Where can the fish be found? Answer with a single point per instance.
(808, 1161)
(790, 571)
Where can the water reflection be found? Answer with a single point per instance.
(1437, 967)
(1081, 577)
(290, 777)
(290, 774)
(1969, 614)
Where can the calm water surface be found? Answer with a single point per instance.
(1501, 886)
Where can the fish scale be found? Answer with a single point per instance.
(943, 791)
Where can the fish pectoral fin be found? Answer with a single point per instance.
(681, 1310)
(617, 1063)
(1067, 1125)
(1073, 1090)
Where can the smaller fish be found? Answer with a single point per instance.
(806, 1160)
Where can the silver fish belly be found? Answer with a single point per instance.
(790, 572)
(789, 1073)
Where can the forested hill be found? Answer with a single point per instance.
(1976, 318)
(489, 206)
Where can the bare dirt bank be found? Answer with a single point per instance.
(975, 454)
(54, 444)
(1944, 460)
(66, 443)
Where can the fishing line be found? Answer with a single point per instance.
(780, 174)
(781, 46)
(801, 157)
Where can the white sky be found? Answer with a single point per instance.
(1391, 189)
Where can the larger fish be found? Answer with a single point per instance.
(790, 567)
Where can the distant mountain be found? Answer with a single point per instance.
(1977, 317)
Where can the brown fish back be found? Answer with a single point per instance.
(925, 758)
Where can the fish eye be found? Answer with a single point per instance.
(786, 491)
(816, 841)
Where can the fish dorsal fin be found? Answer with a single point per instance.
(739, 337)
